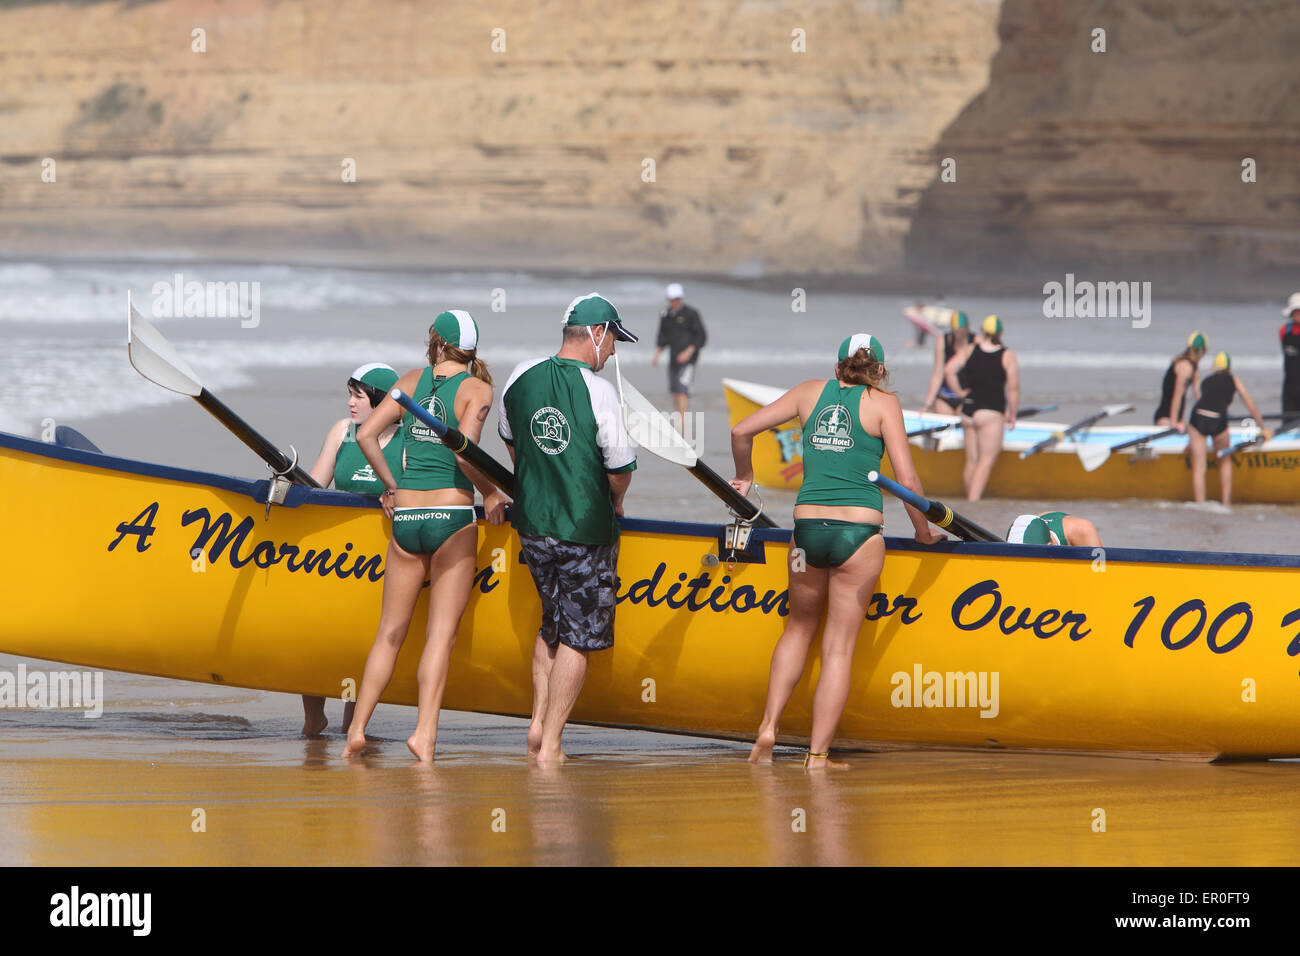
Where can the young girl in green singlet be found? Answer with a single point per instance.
(838, 552)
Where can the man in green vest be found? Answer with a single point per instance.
(573, 464)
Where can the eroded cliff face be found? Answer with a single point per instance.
(1129, 161)
(765, 158)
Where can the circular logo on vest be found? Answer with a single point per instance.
(550, 430)
(831, 430)
(422, 432)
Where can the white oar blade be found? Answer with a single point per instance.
(1117, 409)
(650, 429)
(153, 356)
(1093, 457)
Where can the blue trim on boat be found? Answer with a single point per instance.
(298, 495)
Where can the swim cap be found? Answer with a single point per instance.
(1030, 529)
(991, 325)
(958, 320)
(1197, 341)
(863, 340)
(457, 328)
(373, 381)
(1222, 362)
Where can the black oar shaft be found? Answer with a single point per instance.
(245, 432)
(456, 441)
(729, 495)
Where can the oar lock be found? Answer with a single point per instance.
(734, 544)
(278, 489)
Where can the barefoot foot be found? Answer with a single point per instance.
(549, 758)
(534, 738)
(356, 743)
(421, 747)
(314, 724)
(762, 752)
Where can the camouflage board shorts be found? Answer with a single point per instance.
(576, 583)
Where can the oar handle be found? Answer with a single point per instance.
(935, 511)
(456, 442)
(282, 464)
(732, 498)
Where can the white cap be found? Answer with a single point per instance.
(1292, 303)
(675, 291)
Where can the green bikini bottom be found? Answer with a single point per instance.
(827, 543)
(423, 530)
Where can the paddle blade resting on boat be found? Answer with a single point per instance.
(648, 427)
(153, 356)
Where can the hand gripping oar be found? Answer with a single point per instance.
(1052, 440)
(154, 357)
(936, 512)
(1257, 440)
(1093, 457)
(652, 431)
(456, 441)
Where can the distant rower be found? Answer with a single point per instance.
(1290, 336)
(1180, 376)
(1210, 420)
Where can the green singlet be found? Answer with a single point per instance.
(353, 473)
(838, 452)
(429, 463)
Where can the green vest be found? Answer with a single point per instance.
(549, 412)
(429, 463)
(353, 473)
(838, 452)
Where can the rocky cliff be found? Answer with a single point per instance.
(765, 156)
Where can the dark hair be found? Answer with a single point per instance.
(450, 353)
(372, 394)
(861, 368)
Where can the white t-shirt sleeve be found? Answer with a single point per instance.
(615, 444)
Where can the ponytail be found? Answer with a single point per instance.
(861, 368)
(450, 353)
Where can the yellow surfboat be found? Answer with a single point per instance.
(1269, 473)
(116, 564)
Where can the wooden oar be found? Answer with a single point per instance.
(154, 357)
(935, 511)
(1257, 440)
(1093, 457)
(655, 434)
(456, 441)
(1052, 440)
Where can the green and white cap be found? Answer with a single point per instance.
(863, 340)
(1030, 529)
(594, 309)
(457, 328)
(373, 380)
(1197, 341)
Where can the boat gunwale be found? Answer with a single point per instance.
(299, 495)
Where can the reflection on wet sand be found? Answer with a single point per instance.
(690, 803)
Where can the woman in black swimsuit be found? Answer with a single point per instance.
(1210, 420)
(1178, 377)
(991, 393)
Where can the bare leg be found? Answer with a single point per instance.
(989, 426)
(682, 402)
(807, 595)
(1196, 455)
(403, 578)
(1225, 468)
(970, 442)
(851, 587)
(565, 683)
(543, 660)
(313, 715)
(452, 573)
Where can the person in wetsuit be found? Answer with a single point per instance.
(990, 397)
(1180, 376)
(1210, 420)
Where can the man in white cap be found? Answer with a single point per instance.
(681, 331)
(1290, 336)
